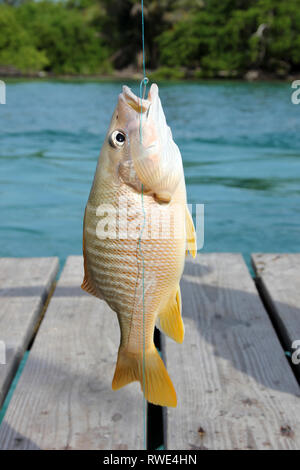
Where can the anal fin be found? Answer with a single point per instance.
(170, 320)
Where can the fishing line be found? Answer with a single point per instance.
(143, 86)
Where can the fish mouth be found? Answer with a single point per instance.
(135, 102)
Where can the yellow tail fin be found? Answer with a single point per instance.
(158, 386)
(170, 321)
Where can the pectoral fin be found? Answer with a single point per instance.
(190, 234)
(169, 319)
(155, 171)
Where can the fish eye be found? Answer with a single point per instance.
(117, 139)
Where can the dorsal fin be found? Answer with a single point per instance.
(190, 234)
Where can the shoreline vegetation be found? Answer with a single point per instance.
(185, 39)
(135, 75)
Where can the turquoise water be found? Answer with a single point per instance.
(13, 386)
(240, 144)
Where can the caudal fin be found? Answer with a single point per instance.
(158, 385)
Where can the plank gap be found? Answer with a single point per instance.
(277, 324)
(155, 422)
(46, 302)
(13, 385)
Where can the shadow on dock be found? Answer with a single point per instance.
(236, 324)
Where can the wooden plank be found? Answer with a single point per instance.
(235, 387)
(24, 286)
(64, 399)
(279, 283)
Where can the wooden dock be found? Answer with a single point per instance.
(236, 384)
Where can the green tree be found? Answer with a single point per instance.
(233, 36)
(71, 45)
(16, 46)
(196, 37)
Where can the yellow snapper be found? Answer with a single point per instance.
(137, 230)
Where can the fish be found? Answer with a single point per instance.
(137, 231)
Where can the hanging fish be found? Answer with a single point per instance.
(137, 230)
